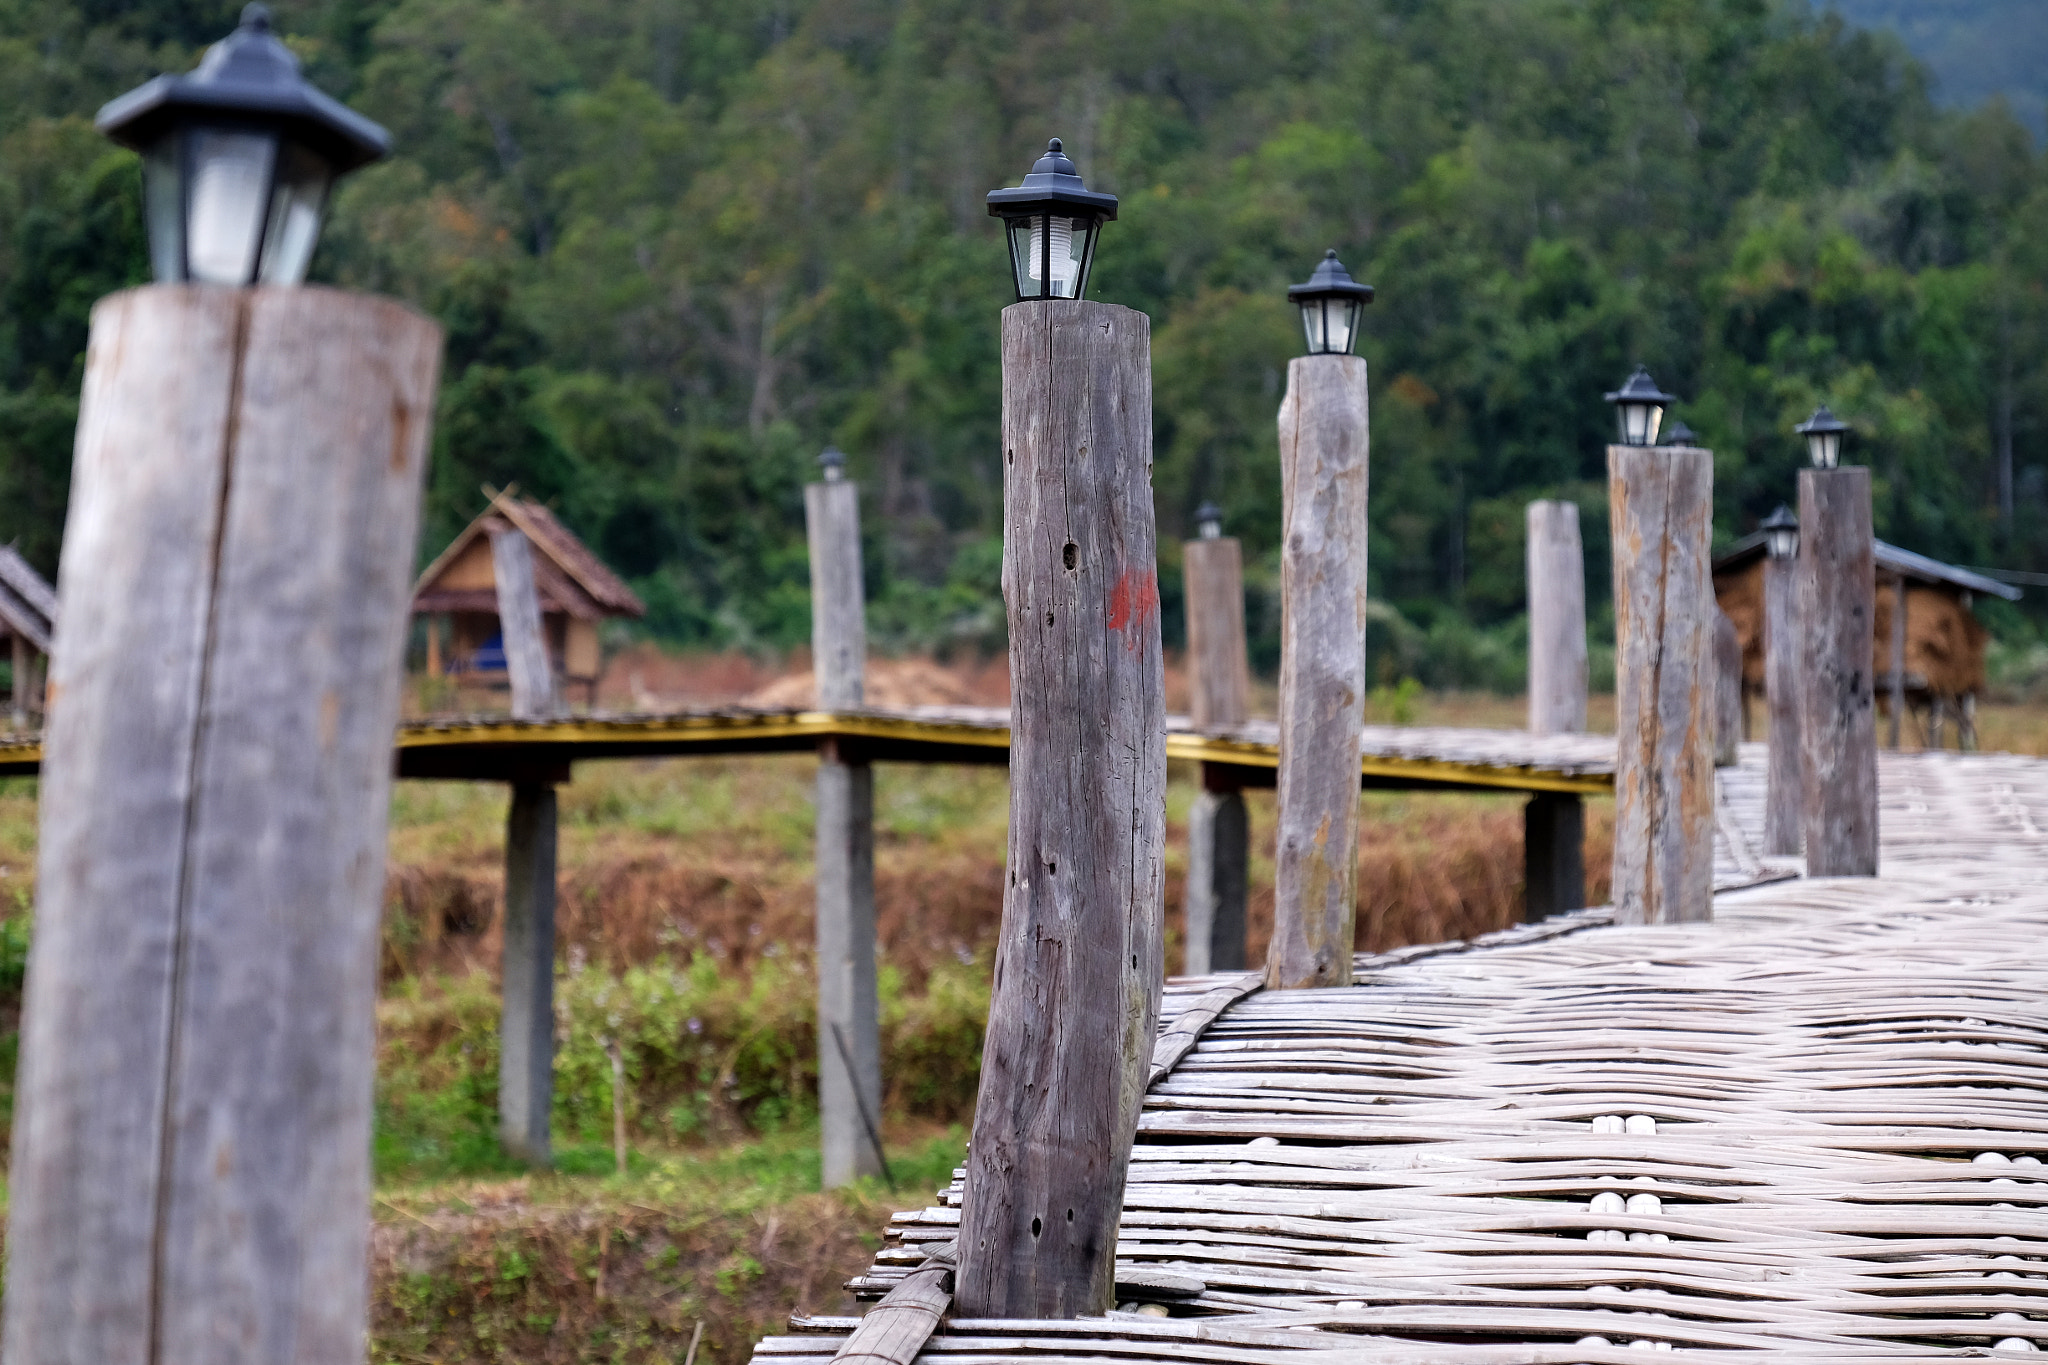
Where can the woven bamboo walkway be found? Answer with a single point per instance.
(1814, 1127)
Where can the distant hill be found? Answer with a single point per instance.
(1976, 48)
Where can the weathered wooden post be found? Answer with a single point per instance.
(1727, 687)
(1554, 823)
(849, 1029)
(1323, 472)
(1897, 699)
(1660, 501)
(1078, 968)
(1557, 619)
(191, 1171)
(1784, 791)
(526, 1024)
(1219, 685)
(1837, 609)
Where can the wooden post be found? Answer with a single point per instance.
(1553, 855)
(191, 1165)
(1660, 501)
(19, 690)
(1784, 789)
(1727, 688)
(1898, 679)
(1078, 968)
(1838, 714)
(526, 1026)
(519, 625)
(1557, 619)
(1323, 444)
(1219, 685)
(849, 1028)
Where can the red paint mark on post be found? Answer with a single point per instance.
(1134, 602)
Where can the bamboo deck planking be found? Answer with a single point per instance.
(1831, 1104)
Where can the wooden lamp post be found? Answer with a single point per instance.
(1661, 505)
(1784, 795)
(1837, 605)
(849, 1029)
(1078, 969)
(1324, 439)
(1219, 684)
(191, 1174)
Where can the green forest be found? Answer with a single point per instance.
(681, 245)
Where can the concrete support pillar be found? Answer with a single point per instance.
(526, 1030)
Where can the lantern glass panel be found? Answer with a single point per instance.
(1329, 323)
(229, 179)
(1783, 543)
(163, 184)
(1824, 448)
(293, 228)
(1050, 255)
(1639, 423)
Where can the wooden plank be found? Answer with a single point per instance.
(1785, 795)
(520, 627)
(1557, 619)
(191, 1176)
(897, 1328)
(1838, 714)
(1324, 442)
(1219, 669)
(1661, 505)
(526, 1023)
(1078, 969)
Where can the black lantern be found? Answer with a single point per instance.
(1680, 435)
(237, 159)
(1053, 221)
(1209, 521)
(1639, 404)
(1330, 303)
(1781, 533)
(1823, 433)
(833, 462)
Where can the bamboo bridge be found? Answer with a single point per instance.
(1814, 1127)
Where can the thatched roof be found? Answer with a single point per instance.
(1890, 560)
(569, 577)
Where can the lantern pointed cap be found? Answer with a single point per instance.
(1822, 423)
(1053, 183)
(1640, 388)
(1331, 279)
(1780, 520)
(250, 76)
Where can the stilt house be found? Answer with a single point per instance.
(576, 592)
(1944, 643)
(28, 617)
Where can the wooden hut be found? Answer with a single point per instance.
(1944, 646)
(28, 618)
(576, 592)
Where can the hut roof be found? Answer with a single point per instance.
(1890, 559)
(569, 577)
(28, 605)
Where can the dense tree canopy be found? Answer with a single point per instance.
(679, 245)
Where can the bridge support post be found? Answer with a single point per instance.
(1553, 854)
(526, 1021)
(1838, 712)
(1557, 619)
(1784, 788)
(1323, 446)
(1219, 687)
(849, 1014)
(1661, 506)
(1727, 688)
(191, 1164)
(1078, 968)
